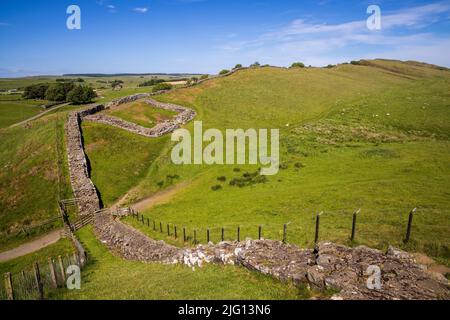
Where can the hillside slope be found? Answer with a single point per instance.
(374, 137)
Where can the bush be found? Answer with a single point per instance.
(81, 94)
(298, 65)
(223, 72)
(222, 179)
(203, 77)
(238, 66)
(216, 188)
(330, 66)
(162, 87)
(36, 91)
(255, 65)
(116, 83)
(150, 83)
(355, 63)
(248, 179)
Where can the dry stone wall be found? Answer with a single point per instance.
(184, 115)
(328, 266)
(82, 186)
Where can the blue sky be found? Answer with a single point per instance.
(209, 35)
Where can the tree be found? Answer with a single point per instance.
(162, 87)
(116, 83)
(81, 94)
(36, 91)
(255, 65)
(203, 77)
(58, 91)
(151, 82)
(298, 65)
(194, 79)
(223, 72)
(238, 66)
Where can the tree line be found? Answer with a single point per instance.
(60, 92)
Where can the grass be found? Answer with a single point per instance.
(374, 137)
(62, 247)
(109, 277)
(18, 110)
(31, 181)
(358, 137)
(141, 113)
(119, 159)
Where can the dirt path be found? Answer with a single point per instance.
(39, 115)
(155, 199)
(31, 246)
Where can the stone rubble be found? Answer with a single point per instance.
(329, 266)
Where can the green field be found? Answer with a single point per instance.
(358, 137)
(15, 266)
(119, 159)
(141, 113)
(16, 110)
(374, 137)
(31, 181)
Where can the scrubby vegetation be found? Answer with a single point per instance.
(151, 82)
(162, 87)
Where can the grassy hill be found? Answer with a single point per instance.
(373, 137)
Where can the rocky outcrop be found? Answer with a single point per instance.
(82, 186)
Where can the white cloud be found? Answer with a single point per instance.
(110, 6)
(314, 42)
(140, 10)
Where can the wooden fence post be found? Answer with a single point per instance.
(355, 214)
(148, 222)
(52, 273)
(410, 221)
(259, 232)
(195, 236)
(9, 286)
(284, 233)
(76, 260)
(207, 236)
(142, 218)
(154, 225)
(239, 234)
(61, 269)
(168, 230)
(223, 234)
(184, 234)
(175, 232)
(37, 279)
(316, 237)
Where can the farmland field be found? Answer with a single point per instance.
(372, 137)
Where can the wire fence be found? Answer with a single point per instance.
(374, 229)
(35, 282)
